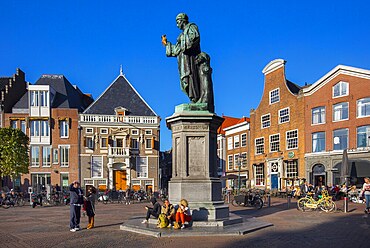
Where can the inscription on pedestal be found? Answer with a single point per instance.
(195, 156)
(190, 128)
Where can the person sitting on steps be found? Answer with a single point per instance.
(169, 211)
(154, 211)
(183, 213)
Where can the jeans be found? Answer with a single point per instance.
(151, 212)
(75, 215)
(367, 198)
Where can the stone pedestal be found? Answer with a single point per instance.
(194, 163)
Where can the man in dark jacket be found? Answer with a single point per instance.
(76, 201)
(155, 210)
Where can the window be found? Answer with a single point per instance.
(236, 141)
(318, 115)
(230, 162)
(89, 130)
(292, 139)
(363, 136)
(44, 98)
(243, 157)
(318, 142)
(44, 128)
(13, 124)
(148, 132)
(89, 142)
(284, 115)
(35, 128)
(340, 111)
(265, 121)
(64, 126)
(340, 89)
(35, 156)
(55, 156)
(23, 126)
(64, 156)
(244, 139)
(103, 142)
(134, 144)
(229, 143)
(259, 175)
(237, 162)
(148, 143)
(274, 96)
(275, 143)
(96, 166)
(134, 132)
(260, 145)
(340, 139)
(292, 169)
(142, 167)
(363, 107)
(104, 130)
(46, 156)
(34, 99)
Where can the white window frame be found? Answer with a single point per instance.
(272, 96)
(44, 128)
(230, 143)
(291, 139)
(236, 141)
(90, 144)
(282, 118)
(89, 130)
(321, 112)
(103, 130)
(148, 132)
(55, 155)
(13, 123)
(93, 164)
(366, 105)
(46, 163)
(143, 167)
(366, 133)
(150, 143)
(266, 121)
(132, 143)
(312, 140)
(291, 169)
(103, 145)
(230, 162)
(243, 140)
(134, 132)
(259, 176)
(341, 111)
(64, 129)
(44, 98)
(274, 143)
(236, 161)
(257, 146)
(347, 139)
(34, 98)
(340, 84)
(64, 161)
(23, 126)
(244, 158)
(35, 160)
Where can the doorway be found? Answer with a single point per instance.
(274, 181)
(120, 179)
(319, 175)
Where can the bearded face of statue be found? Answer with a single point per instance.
(180, 23)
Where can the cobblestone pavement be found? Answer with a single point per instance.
(49, 227)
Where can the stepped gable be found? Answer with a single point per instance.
(120, 94)
(3, 82)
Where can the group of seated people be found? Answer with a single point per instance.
(169, 214)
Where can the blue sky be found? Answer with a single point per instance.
(87, 41)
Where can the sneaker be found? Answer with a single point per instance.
(183, 226)
(144, 222)
(72, 230)
(169, 225)
(77, 228)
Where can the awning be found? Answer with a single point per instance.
(357, 168)
(231, 176)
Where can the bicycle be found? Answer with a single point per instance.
(324, 203)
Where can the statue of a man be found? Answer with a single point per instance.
(194, 66)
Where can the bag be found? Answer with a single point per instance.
(176, 225)
(162, 221)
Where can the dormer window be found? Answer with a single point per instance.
(120, 111)
(340, 89)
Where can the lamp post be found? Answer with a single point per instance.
(239, 179)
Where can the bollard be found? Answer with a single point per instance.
(345, 207)
(228, 197)
(268, 200)
(289, 198)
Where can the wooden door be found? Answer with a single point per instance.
(120, 179)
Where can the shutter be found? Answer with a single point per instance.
(85, 144)
(153, 143)
(107, 142)
(69, 122)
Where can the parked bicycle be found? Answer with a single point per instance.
(250, 199)
(323, 202)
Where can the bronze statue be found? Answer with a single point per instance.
(194, 65)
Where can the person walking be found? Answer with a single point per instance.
(365, 192)
(90, 206)
(76, 201)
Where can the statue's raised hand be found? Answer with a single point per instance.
(164, 40)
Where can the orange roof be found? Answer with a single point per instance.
(230, 121)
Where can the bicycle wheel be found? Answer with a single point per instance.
(302, 204)
(258, 203)
(20, 202)
(328, 206)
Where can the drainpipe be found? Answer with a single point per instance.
(79, 153)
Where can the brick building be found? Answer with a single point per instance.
(337, 117)
(237, 153)
(120, 140)
(277, 132)
(48, 114)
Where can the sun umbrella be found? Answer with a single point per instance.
(344, 172)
